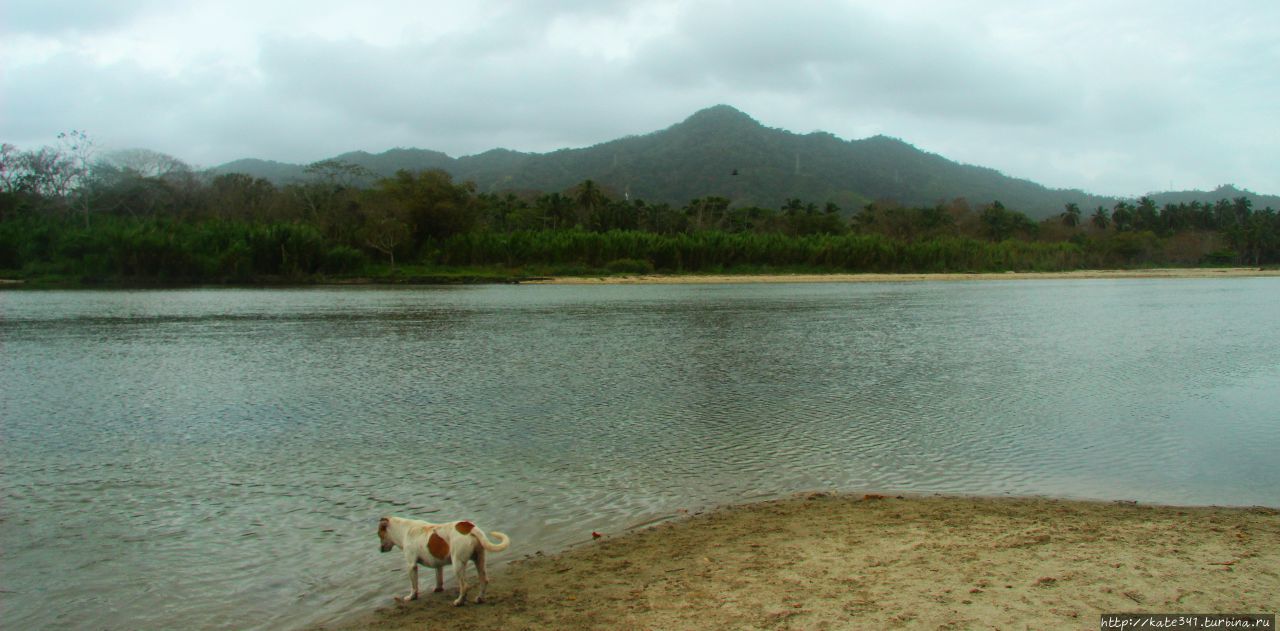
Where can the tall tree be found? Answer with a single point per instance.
(329, 186)
(45, 172)
(1071, 215)
(9, 168)
(240, 196)
(1122, 216)
(437, 208)
(80, 148)
(999, 223)
(1145, 215)
(339, 173)
(556, 209)
(589, 197)
(707, 213)
(1101, 218)
(385, 225)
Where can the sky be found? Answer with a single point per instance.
(1116, 97)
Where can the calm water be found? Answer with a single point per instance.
(218, 458)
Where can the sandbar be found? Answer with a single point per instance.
(840, 561)
(643, 279)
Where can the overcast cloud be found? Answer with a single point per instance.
(1110, 96)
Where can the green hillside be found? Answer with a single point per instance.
(723, 152)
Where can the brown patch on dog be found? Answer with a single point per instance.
(385, 543)
(465, 527)
(438, 547)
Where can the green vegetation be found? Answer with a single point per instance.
(723, 152)
(67, 217)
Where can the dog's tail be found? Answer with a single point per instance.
(503, 540)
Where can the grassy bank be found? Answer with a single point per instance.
(115, 251)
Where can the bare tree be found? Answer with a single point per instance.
(79, 150)
(385, 228)
(329, 179)
(46, 172)
(338, 172)
(147, 163)
(10, 168)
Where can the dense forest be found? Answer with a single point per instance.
(68, 215)
(722, 152)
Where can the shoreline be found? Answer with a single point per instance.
(463, 279)
(818, 561)
(675, 279)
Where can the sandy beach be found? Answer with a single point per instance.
(820, 561)
(1236, 272)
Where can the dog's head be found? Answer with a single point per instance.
(383, 536)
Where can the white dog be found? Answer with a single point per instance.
(438, 545)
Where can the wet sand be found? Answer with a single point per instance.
(822, 561)
(1233, 272)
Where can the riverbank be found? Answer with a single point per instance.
(509, 277)
(1190, 272)
(63, 282)
(835, 562)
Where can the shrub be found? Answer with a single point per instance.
(343, 260)
(630, 266)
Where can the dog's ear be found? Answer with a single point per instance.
(383, 524)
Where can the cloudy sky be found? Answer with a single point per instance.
(1112, 96)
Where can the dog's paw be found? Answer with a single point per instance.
(439, 589)
(459, 602)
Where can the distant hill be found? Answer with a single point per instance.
(388, 162)
(1225, 191)
(722, 151)
(278, 172)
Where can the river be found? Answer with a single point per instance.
(218, 458)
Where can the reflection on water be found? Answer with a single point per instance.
(218, 458)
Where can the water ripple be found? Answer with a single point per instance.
(215, 432)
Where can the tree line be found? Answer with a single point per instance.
(67, 212)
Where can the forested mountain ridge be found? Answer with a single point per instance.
(143, 216)
(720, 151)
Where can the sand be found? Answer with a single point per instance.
(1217, 272)
(823, 561)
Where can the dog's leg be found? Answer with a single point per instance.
(483, 577)
(460, 572)
(440, 579)
(413, 580)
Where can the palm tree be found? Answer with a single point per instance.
(1122, 216)
(1101, 219)
(1071, 215)
(588, 197)
(1146, 216)
(556, 210)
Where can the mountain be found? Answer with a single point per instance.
(388, 162)
(722, 151)
(278, 172)
(1225, 191)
